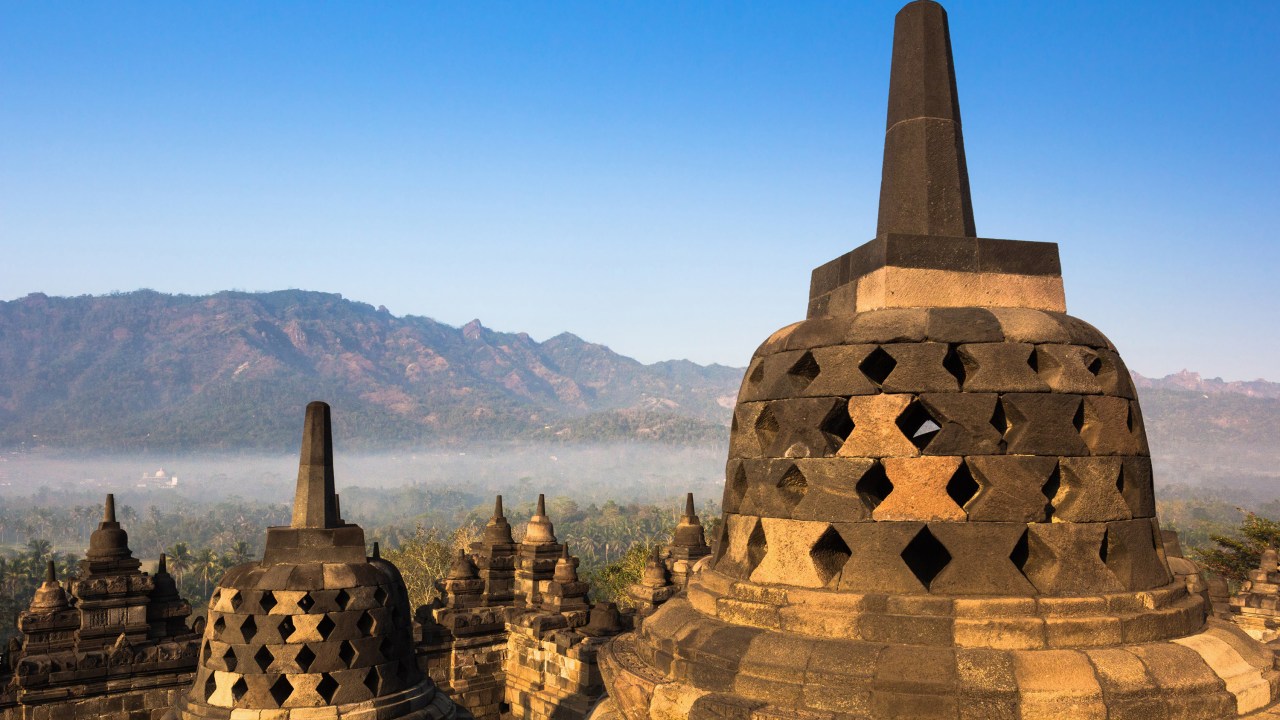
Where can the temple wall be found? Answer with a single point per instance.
(551, 675)
(126, 701)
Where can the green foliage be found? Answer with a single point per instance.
(1236, 555)
(610, 582)
(424, 559)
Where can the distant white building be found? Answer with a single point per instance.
(159, 479)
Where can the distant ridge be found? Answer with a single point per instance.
(234, 369)
(145, 370)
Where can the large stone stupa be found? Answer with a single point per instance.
(938, 498)
(316, 629)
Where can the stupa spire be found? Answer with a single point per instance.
(109, 509)
(924, 186)
(314, 503)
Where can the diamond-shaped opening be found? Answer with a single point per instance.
(757, 375)
(918, 425)
(878, 365)
(1103, 550)
(380, 596)
(286, 628)
(830, 554)
(229, 659)
(373, 681)
(1077, 420)
(738, 482)
(1129, 418)
(342, 598)
(1050, 491)
(837, 425)
(1095, 366)
(387, 647)
(239, 689)
(1020, 552)
(213, 599)
(998, 419)
(327, 687)
(306, 602)
(219, 625)
(325, 626)
(953, 364)
(236, 600)
(347, 653)
(962, 487)
(1120, 480)
(304, 658)
(267, 601)
(757, 546)
(205, 653)
(804, 370)
(248, 628)
(366, 623)
(1033, 360)
(281, 690)
(721, 543)
(925, 556)
(263, 658)
(766, 428)
(874, 485)
(210, 687)
(794, 483)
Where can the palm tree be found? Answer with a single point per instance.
(39, 549)
(205, 563)
(240, 552)
(179, 559)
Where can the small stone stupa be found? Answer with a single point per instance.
(938, 500)
(315, 630)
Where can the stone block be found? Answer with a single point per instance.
(1108, 427)
(963, 325)
(889, 325)
(1065, 559)
(1000, 367)
(1058, 684)
(875, 430)
(1010, 488)
(1082, 632)
(1132, 557)
(742, 442)
(918, 368)
(1072, 369)
(966, 423)
(1000, 633)
(1186, 680)
(803, 427)
(838, 373)
(832, 494)
(878, 566)
(920, 489)
(1136, 486)
(980, 559)
(788, 559)
(1042, 424)
(1029, 325)
(1089, 490)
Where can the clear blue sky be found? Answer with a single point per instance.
(659, 177)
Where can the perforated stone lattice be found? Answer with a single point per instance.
(1035, 431)
(319, 649)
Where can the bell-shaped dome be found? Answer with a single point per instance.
(315, 629)
(938, 498)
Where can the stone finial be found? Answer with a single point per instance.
(109, 541)
(540, 530)
(162, 567)
(314, 503)
(566, 569)
(462, 568)
(604, 620)
(924, 187)
(377, 551)
(655, 570)
(689, 532)
(498, 530)
(50, 596)
(1269, 561)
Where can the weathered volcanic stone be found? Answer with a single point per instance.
(938, 500)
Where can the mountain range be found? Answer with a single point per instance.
(233, 369)
(146, 370)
